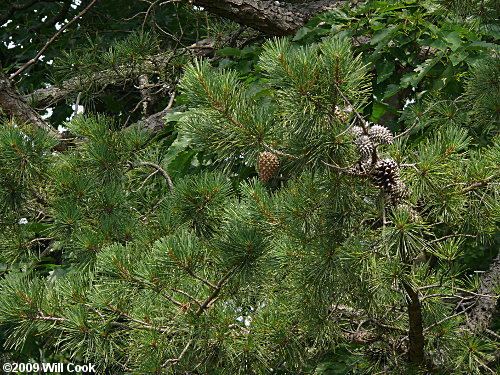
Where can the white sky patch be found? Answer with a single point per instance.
(48, 114)
(247, 320)
(10, 45)
(58, 25)
(6, 23)
(408, 102)
(23, 220)
(79, 110)
(61, 129)
(50, 62)
(44, 18)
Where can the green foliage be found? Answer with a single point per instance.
(313, 272)
(413, 47)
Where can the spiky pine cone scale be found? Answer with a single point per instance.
(398, 191)
(380, 135)
(385, 174)
(267, 165)
(365, 146)
(357, 131)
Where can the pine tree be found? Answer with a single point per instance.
(279, 228)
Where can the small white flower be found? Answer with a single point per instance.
(23, 220)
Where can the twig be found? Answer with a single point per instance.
(77, 103)
(358, 115)
(199, 278)
(341, 169)
(451, 236)
(478, 184)
(41, 316)
(280, 153)
(477, 294)
(175, 360)
(138, 321)
(49, 42)
(161, 170)
(429, 287)
(492, 333)
(212, 297)
(447, 318)
(187, 295)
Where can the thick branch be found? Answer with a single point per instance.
(14, 105)
(115, 76)
(268, 16)
(481, 315)
(416, 331)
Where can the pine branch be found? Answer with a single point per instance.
(159, 169)
(41, 316)
(478, 184)
(119, 75)
(212, 297)
(179, 357)
(14, 105)
(416, 338)
(187, 295)
(446, 319)
(51, 40)
(268, 16)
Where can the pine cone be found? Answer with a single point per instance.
(380, 135)
(267, 165)
(385, 174)
(398, 192)
(365, 146)
(357, 131)
(362, 167)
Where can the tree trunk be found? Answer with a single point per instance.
(416, 332)
(270, 17)
(12, 104)
(482, 313)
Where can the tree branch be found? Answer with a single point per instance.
(51, 40)
(270, 17)
(481, 315)
(212, 297)
(416, 354)
(159, 169)
(14, 105)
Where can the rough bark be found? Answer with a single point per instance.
(116, 76)
(270, 17)
(12, 104)
(416, 354)
(481, 315)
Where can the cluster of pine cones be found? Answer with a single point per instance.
(383, 172)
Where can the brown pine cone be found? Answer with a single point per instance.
(267, 165)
